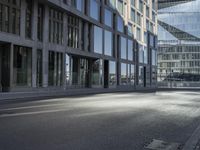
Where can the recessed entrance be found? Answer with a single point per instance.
(4, 67)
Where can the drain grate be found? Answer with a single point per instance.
(161, 145)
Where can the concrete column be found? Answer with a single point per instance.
(34, 37)
(86, 32)
(0, 68)
(34, 20)
(34, 66)
(11, 64)
(45, 51)
(23, 19)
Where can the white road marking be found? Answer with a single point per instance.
(33, 113)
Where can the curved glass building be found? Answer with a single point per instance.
(179, 42)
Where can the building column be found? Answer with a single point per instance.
(23, 19)
(45, 52)
(34, 37)
(11, 64)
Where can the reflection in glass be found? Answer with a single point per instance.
(97, 73)
(123, 74)
(22, 69)
(123, 48)
(130, 50)
(55, 68)
(94, 9)
(108, 41)
(108, 18)
(120, 24)
(112, 73)
(98, 40)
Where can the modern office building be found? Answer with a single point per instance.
(67, 44)
(179, 42)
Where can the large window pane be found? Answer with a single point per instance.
(120, 24)
(112, 73)
(94, 9)
(123, 48)
(22, 66)
(98, 40)
(108, 18)
(123, 74)
(55, 68)
(130, 50)
(108, 41)
(97, 73)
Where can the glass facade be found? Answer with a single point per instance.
(123, 77)
(10, 16)
(108, 43)
(76, 44)
(94, 10)
(22, 69)
(55, 68)
(98, 40)
(123, 47)
(97, 73)
(108, 18)
(112, 73)
(178, 44)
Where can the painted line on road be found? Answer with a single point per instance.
(33, 113)
(193, 140)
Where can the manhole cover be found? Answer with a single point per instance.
(161, 145)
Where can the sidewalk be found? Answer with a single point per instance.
(14, 96)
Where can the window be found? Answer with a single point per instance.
(98, 40)
(145, 37)
(132, 75)
(141, 6)
(97, 73)
(40, 22)
(22, 66)
(77, 4)
(133, 2)
(55, 26)
(28, 18)
(108, 18)
(10, 16)
(145, 55)
(130, 29)
(153, 16)
(73, 32)
(108, 43)
(112, 73)
(138, 34)
(39, 69)
(123, 74)
(94, 10)
(130, 50)
(141, 54)
(123, 48)
(112, 3)
(154, 57)
(55, 68)
(120, 24)
(138, 19)
(120, 7)
(133, 15)
(147, 11)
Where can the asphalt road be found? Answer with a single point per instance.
(126, 121)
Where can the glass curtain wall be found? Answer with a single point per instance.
(55, 68)
(22, 67)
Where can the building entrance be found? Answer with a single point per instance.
(4, 67)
